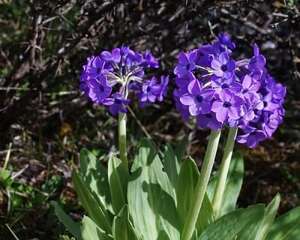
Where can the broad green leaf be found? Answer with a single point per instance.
(88, 161)
(151, 198)
(258, 230)
(122, 229)
(229, 226)
(90, 230)
(171, 162)
(249, 232)
(70, 225)
(233, 185)
(163, 236)
(96, 211)
(185, 190)
(95, 176)
(286, 227)
(147, 152)
(270, 213)
(118, 179)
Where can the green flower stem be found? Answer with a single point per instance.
(223, 172)
(122, 138)
(200, 190)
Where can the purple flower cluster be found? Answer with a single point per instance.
(220, 91)
(109, 78)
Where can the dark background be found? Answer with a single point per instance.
(43, 45)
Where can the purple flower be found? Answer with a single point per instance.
(249, 86)
(223, 66)
(279, 93)
(225, 41)
(276, 89)
(205, 55)
(129, 57)
(269, 104)
(253, 104)
(93, 68)
(251, 136)
(186, 63)
(114, 56)
(183, 82)
(148, 92)
(163, 87)
(98, 89)
(228, 107)
(150, 60)
(258, 61)
(198, 99)
(152, 91)
(270, 122)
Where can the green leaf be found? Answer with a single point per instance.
(146, 154)
(258, 230)
(88, 161)
(151, 197)
(268, 219)
(70, 225)
(249, 232)
(185, 190)
(163, 236)
(122, 229)
(95, 176)
(286, 227)
(233, 185)
(90, 230)
(118, 179)
(172, 161)
(229, 226)
(97, 212)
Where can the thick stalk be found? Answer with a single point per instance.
(122, 138)
(223, 172)
(200, 190)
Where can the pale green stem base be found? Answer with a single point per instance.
(200, 190)
(122, 138)
(223, 172)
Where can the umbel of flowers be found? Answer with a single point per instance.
(220, 91)
(111, 79)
